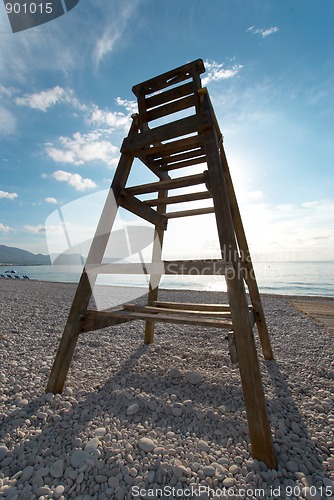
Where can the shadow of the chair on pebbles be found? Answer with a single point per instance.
(299, 454)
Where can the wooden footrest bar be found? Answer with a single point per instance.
(94, 320)
(189, 213)
(180, 182)
(134, 144)
(208, 315)
(186, 312)
(182, 198)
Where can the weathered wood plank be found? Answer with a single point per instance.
(185, 312)
(183, 164)
(187, 155)
(189, 180)
(171, 107)
(169, 78)
(191, 124)
(167, 318)
(173, 147)
(190, 213)
(169, 95)
(137, 207)
(193, 306)
(182, 198)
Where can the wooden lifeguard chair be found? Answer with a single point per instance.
(172, 147)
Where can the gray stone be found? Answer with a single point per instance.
(92, 445)
(3, 452)
(194, 378)
(78, 458)
(27, 473)
(292, 466)
(146, 444)
(132, 409)
(228, 482)
(57, 469)
(203, 445)
(209, 471)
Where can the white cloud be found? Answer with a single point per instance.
(51, 200)
(83, 148)
(74, 180)
(117, 23)
(7, 121)
(215, 71)
(46, 98)
(34, 229)
(264, 32)
(8, 196)
(5, 229)
(112, 119)
(129, 105)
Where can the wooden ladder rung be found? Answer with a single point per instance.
(192, 306)
(169, 95)
(171, 107)
(183, 164)
(189, 180)
(137, 207)
(189, 213)
(226, 314)
(168, 318)
(173, 147)
(135, 143)
(182, 198)
(187, 155)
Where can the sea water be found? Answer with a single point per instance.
(285, 278)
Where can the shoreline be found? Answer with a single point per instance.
(175, 290)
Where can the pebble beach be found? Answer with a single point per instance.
(160, 421)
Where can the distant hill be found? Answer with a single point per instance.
(17, 257)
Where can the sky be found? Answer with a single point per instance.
(66, 105)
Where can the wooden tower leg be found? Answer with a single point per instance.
(246, 261)
(84, 290)
(154, 280)
(258, 422)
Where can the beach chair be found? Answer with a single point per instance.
(187, 134)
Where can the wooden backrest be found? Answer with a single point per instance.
(166, 94)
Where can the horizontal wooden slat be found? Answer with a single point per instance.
(171, 107)
(135, 143)
(202, 267)
(189, 180)
(169, 78)
(178, 146)
(192, 306)
(182, 198)
(169, 95)
(178, 311)
(167, 318)
(167, 159)
(190, 213)
(183, 164)
(137, 207)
